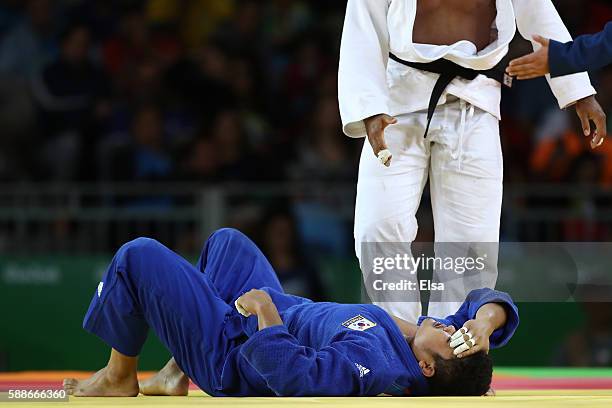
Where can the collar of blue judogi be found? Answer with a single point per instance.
(412, 382)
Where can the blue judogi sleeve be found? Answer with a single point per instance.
(586, 52)
(474, 301)
(339, 369)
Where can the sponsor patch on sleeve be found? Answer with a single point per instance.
(358, 323)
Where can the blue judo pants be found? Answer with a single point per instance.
(149, 286)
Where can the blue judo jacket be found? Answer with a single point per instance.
(330, 349)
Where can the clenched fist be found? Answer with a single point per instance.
(375, 128)
(252, 302)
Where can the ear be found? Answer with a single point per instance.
(427, 368)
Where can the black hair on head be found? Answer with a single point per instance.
(467, 376)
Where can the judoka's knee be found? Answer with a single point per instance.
(224, 237)
(381, 235)
(141, 248)
(386, 230)
(226, 234)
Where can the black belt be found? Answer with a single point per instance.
(448, 71)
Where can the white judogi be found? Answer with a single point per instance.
(462, 153)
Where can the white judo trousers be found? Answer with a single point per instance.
(462, 159)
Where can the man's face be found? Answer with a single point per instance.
(432, 339)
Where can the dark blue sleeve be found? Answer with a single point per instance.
(474, 301)
(586, 52)
(291, 369)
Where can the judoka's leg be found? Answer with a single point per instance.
(385, 209)
(235, 265)
(147, 285)
(466, 193)
(117, 379)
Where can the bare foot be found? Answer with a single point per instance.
(170, 381)
(103, 384)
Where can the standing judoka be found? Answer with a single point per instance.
(422, 80)
(290, 346)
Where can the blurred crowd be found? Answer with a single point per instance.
(217, 91)
(223, 90)
(192, 90)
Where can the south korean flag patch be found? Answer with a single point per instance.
(359, 323)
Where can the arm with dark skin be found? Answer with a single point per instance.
(588, 109)
(375, 128)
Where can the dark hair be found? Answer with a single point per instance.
(462, 376)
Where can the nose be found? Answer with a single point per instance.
(450, 329)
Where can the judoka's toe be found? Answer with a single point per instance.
(69, 385)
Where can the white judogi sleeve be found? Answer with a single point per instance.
(362, 73)
(540, 17)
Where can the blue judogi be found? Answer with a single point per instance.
(586, 52)
(321, 349)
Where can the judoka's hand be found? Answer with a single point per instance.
(259, 303)
(532, 65)
(589, 109)
(253, 301)
(375, 128)
(480, 331)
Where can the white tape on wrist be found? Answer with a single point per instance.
(241, 309)
(384, 157)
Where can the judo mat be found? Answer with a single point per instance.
(515, 387)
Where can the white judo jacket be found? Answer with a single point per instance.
(369, 83)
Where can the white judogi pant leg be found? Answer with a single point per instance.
(462, 157)
(386, 205)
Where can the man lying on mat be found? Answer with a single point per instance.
(289, 346)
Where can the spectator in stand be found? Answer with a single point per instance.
(72, 95)
(322, 154)
(31, 43)
(146, 157)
